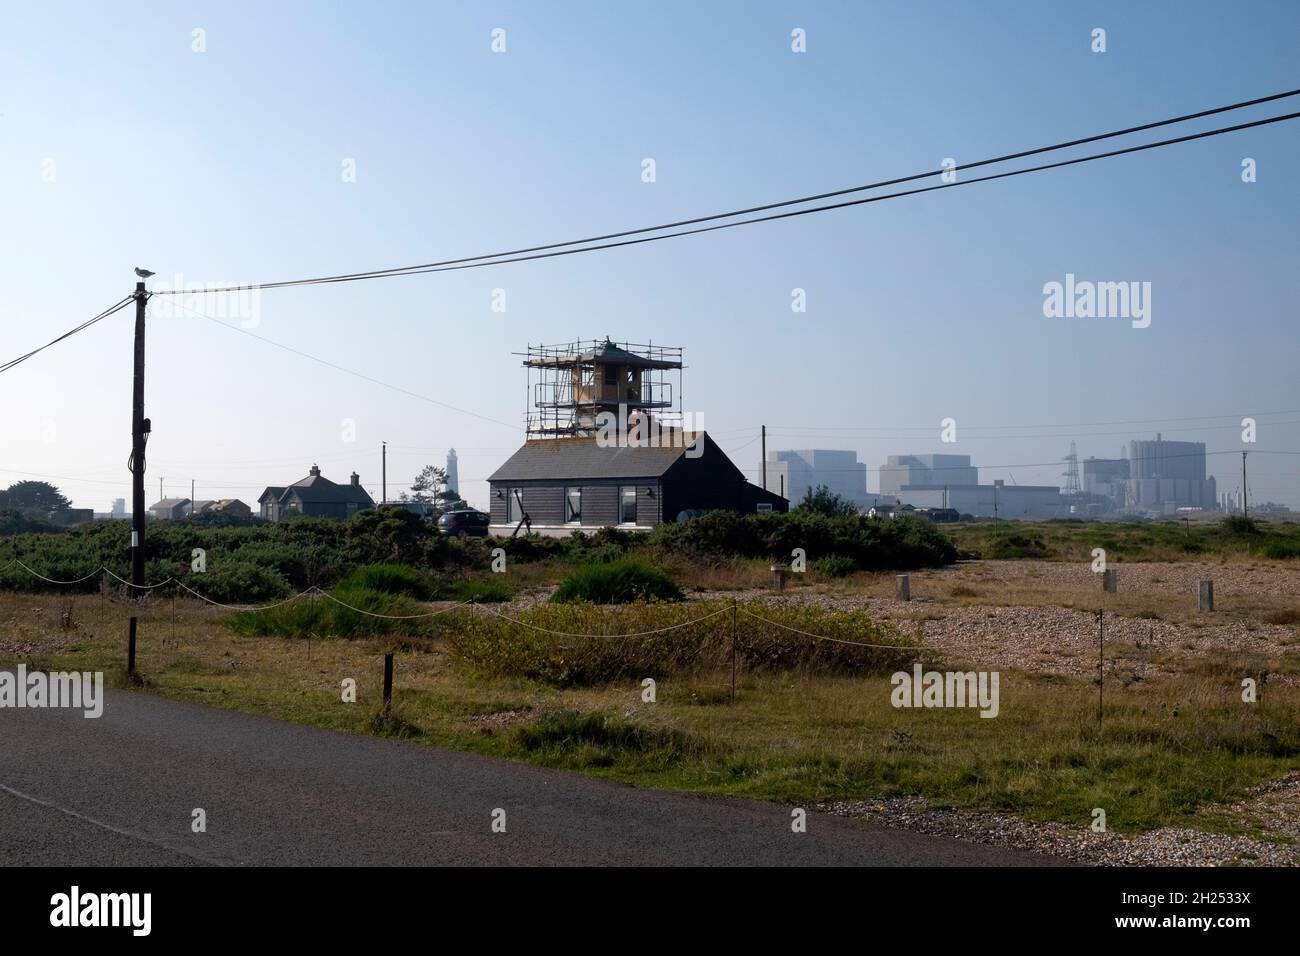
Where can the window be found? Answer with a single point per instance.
(611, 374)
(572, 505)
(514, 506)
(627, 511)
(765, 506)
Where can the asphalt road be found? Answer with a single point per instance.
(120, 790)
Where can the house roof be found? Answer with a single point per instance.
(315, 489)
(166, 504)
(276, 492)
(225, 503)
(573, 458)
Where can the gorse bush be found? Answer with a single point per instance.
(341, 614)
(390, 579)
(304, 552)
(699, 642)
(620, 581)
(872, 544)
(835, 566)
(480, 590)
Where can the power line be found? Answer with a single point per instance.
(340, 368)
(115, 307)
(525, 254)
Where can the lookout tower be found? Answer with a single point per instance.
(569, 385)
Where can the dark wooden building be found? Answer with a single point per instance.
(568, 484)
(315, 495)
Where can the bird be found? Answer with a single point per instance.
(142, 273)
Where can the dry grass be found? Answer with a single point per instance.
(1169, 745)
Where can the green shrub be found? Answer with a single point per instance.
(1280, 550)
(238, 582)
(1240, 526)
(481, 591)
(1015, 545)
(617, 582)
(835, 566)
(338, 615)
(389, 579)
(873, 544)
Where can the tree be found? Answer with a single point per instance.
(821, 500)
(430, 486)
(34, 497)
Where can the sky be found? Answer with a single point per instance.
(309, 139)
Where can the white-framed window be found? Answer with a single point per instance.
(765, 506)
(627, 504)
(514, 506)
(572, 505)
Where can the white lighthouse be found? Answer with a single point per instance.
(453, 481)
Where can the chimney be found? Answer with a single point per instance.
(356, 480)
(315, 471)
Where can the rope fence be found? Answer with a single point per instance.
(316, 593)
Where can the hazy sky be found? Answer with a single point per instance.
(228, 165)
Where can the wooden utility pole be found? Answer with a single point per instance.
(384, 466)
(763, 453)
(139, 436)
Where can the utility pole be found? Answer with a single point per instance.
(139, 436)
(191, 497)
(384, 456)
(764, 454)
(160, 479)
(1243, 484)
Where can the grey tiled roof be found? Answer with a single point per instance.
(564, 458)
(317, 489)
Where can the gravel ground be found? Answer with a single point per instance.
(1271, 579)
(1063, 640)
(1275, 806)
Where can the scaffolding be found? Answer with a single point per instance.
(570, 384)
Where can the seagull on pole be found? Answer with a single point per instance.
(142, 273)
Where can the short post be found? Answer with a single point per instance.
(1101, 661)
(130, 651)
(779, 572)
(903, 587)
(388, 680)
(1110, 580)
(1205, 600)
(733, 650)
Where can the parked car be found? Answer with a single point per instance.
(465, 522)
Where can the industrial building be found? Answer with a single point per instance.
(1167, 475)
(931, 471)
(792, 474)
(1153, 477)
(951, 481)
(606, 446)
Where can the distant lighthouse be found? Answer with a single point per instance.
(453, 481)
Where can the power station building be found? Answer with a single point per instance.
(792, 474)
(1164, 476)
(951, 481)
